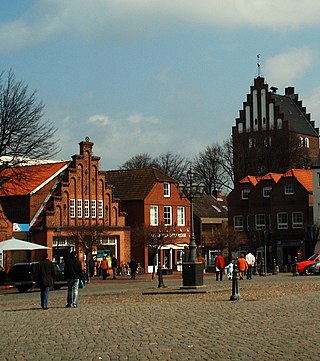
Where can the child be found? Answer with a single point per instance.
(229, 269)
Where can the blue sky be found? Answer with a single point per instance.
(151, 76)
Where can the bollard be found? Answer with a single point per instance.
(235, 284)
(295, 267)
(160, 277)
(262, 272)
(275, 267)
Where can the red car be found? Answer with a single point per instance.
(303, 265)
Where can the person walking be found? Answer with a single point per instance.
(73, 273)
(46, 274)
(220, 266)
(104, 267)
(114, 265)
(250, 258)
(242, 266)
(133, 268)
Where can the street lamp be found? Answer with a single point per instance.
(192, 270)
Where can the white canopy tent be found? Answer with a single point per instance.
(14, 244)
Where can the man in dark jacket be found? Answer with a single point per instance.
(73, 273)
(45, 278)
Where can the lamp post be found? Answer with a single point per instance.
(192, 270)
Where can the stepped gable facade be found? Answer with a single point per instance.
(65, 201)
(273, 133)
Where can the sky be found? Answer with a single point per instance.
(156, 76)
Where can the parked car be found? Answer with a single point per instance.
(23, 276)
(303, 265)
(314, 268)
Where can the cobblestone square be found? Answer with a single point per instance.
(276, 319)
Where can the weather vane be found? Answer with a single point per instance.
(258, 64)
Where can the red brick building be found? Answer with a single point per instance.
(151, 198)
(273, 212)
(61, 202)
(270, 125)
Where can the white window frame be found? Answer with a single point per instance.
(166, 189)
(167, 215)
(93, 208)
(252, 143)
(181, 216)
(282, 220)
(297, 220)
(100, 208)
(238, 223)
(245, 193)
(86, 208)
(154, 215)
(288, 189)
(79, 208)
(306, 142)
(72, 208)
(266, 192)
(260, 221)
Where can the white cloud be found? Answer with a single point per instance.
(100, 118)
(311, 101)
(139, 118)
(127, 18)
(282, 69)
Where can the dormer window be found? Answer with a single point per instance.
(166, 189)
(266, 191)
(288, 189)
(245, 193)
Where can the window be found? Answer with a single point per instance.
(72, 208)
(260, 221)
(79, 203)
(181, 216)
(282, 220)
(100, 208)
(167, 215)
(238, 223)
(297, 220)
(86, 208)
(306, 142)
(267, 142)
(266, 191)
(252, 143)
(166, 189)
(279, 123)
(288, 189)
(301, 142)
(245, 193)
(240, 127)
(153, 215)
(94, 208)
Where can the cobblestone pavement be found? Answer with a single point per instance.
(277, 318)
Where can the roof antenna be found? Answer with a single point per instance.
(258, 65)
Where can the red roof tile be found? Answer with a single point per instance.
(25, 180)
(303, 176)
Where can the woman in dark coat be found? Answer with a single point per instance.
(45, 276)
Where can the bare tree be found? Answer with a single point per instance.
(227, 165)
(173, 165)
(226, 237)
(23, 134)
(143, 160)
(86, 238)
(207, 166)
